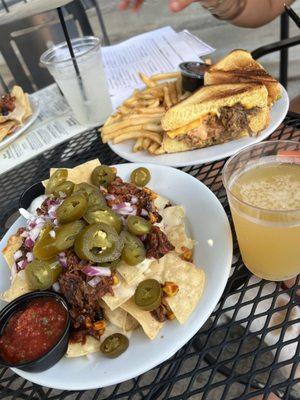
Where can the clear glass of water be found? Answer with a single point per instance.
(85, 89)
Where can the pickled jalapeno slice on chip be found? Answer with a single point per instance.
(59, 176)
(64, 189)
(148, 295)
(133, 251)
(98, 243)
(140, 176)
(72, 208)
(114, 345)
(41, 275)
(138, 226)
(103, 214)
(103, 175)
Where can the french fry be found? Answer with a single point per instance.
(173, 93)
(179, 86)
(159, 151)
(153, 147)
(131, 121)
(138, 145)
(167, 99)
(146, 143)
(147, 81)
(165, 76)
(152, 127)
(154, 136)
(185, 96)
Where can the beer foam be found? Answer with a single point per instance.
(276, 193)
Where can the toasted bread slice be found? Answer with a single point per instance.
(257, 123)
(239, 66)
(209, 100)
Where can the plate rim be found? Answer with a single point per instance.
(35, 105)
(158, 159)
(143, 368)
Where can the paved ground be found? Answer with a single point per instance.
(219, 34)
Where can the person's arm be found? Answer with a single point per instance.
(254, 13)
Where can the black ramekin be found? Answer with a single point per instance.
(31, 193)
(56, 352)
(192, 80)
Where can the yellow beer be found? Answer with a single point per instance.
(264, 198)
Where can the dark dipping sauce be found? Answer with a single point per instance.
(33, 330)
(192, 73)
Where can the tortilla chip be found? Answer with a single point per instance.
(7, 128)
(161, 202)
(28, 109)
(150, 325)
(80, 173)
(130, 323)
(117, 317)
(18, 287)
(187, 276)
(13, 244)
(173, 224)
(122, 292)
(133, 274)
(91, 345)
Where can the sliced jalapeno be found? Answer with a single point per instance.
(103, 214)
(64, 189)
(45, 247)
(66, 234)
(133, 251)
(140, 176)
(148, 294)
(103, 175)
(72, 208)
(59, 176)
(42, 275)
(114, 345)
(138, 225)
(98, 243)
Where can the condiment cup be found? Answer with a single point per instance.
(31, 193)
(192, 73)
(56, 352)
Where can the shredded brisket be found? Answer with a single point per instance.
(157, 243)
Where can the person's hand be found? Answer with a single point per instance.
(135, 5)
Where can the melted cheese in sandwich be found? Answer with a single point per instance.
(186, 128)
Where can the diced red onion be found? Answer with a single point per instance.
(24, 234)
(91, 270)
(143, 237)
(63, 260)
(144, 213)
(29, 256)
(56, 287)
(52, 233)
(94, 281)
(29, 243)
(55, 222)
(134, 199)
(125, 209)
(40, 220)
(103, 189)
(34, 233)
(62, 254)
(110, 197)
(18, 254)
(21, 265)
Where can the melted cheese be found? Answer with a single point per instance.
(186, 128)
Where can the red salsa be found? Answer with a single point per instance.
(33, 331)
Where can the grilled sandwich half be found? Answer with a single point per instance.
(239, 66)
(216, 114)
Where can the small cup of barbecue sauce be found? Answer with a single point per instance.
(34, 331)
(192, 73)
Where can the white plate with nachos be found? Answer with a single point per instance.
(196, 227)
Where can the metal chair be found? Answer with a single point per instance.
(23, 42)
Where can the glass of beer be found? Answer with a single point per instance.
(263, 188)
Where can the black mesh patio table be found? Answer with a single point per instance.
(225, 359)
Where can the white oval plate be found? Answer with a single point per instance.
(207, 154)
(18, 132)
(209, 226)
